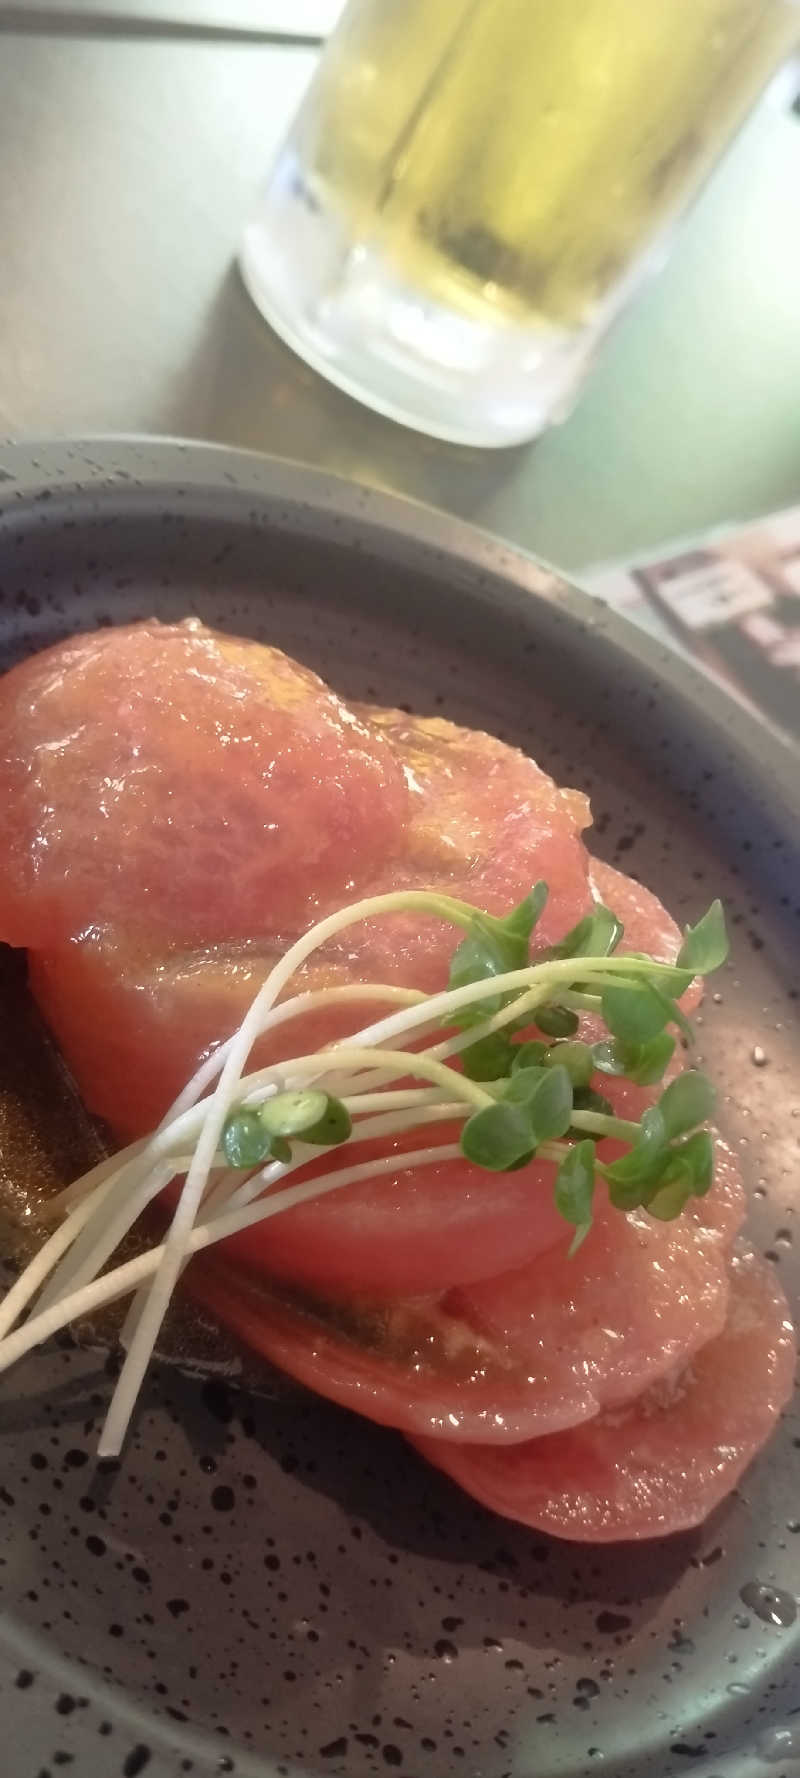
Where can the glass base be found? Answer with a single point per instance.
(474, 379)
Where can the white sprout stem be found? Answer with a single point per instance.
(202, 1122)
(126, 1278)
(279, 1015)
(173, 1126)
(399, 1063)
(393, 1124)
(230, 1191)
(153, 1311)
(97, 1175)
(598, 1124)
(431, 1010)
(538, 978)
(397, 1099)
(524, 1003)
(100, 1238)
(17, 1298)
(146, 1334)
(117, 1175)
(210, 1068)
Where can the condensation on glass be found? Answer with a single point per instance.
(473, 188)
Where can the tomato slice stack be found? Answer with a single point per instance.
(180, 806)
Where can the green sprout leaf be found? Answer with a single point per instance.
(576, 1057)
(474, 960)
(586, 1099)
(292, 1114)
(689, 1173)
(498, 1137)
(612, 1058)
(670, 1199)
(669, 979)
(574, 1189)
(245, 1142)
(546, 1095)
(673, 1013)
(517, 926)
(522, 1087)
(647, 1062)
(641, 1062)
(644, 1162)
(529, 1055)
(556, 1021)
(686, 1102)
(634, 1011)
(493, 947)
(596, 935)
(536, 1107)
(333, 1127)
(705, 946)
(491, 1058)
(696, 1156)
(551, 1108)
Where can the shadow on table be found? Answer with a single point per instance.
(243, 386)
(66, 21)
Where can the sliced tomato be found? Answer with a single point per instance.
(525, 1354)
(637, 1298)
(134, 1026)
(648, 926)
(180, 782)
(485, 824)
(663, 1463)
(415, 1230)
(134, 1031)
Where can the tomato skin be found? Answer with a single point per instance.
(186, 785)
(134, 1026)
(665, 1462)
(134, 1029)
(416, 1231)
(416, 1397)
(524, 1354)
(179, 805)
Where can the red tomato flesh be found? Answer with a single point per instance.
(179, 806)
(175, 781)
(663, 1463)
(524, 1354)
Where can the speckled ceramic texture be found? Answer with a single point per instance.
(267, 1588)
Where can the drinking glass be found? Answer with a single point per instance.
(472, 189)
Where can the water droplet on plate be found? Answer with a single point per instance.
(773, 1605)
(778, 1744)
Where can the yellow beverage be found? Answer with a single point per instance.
(472, 188)
(519, 152)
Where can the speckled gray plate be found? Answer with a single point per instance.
(272, 1588)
